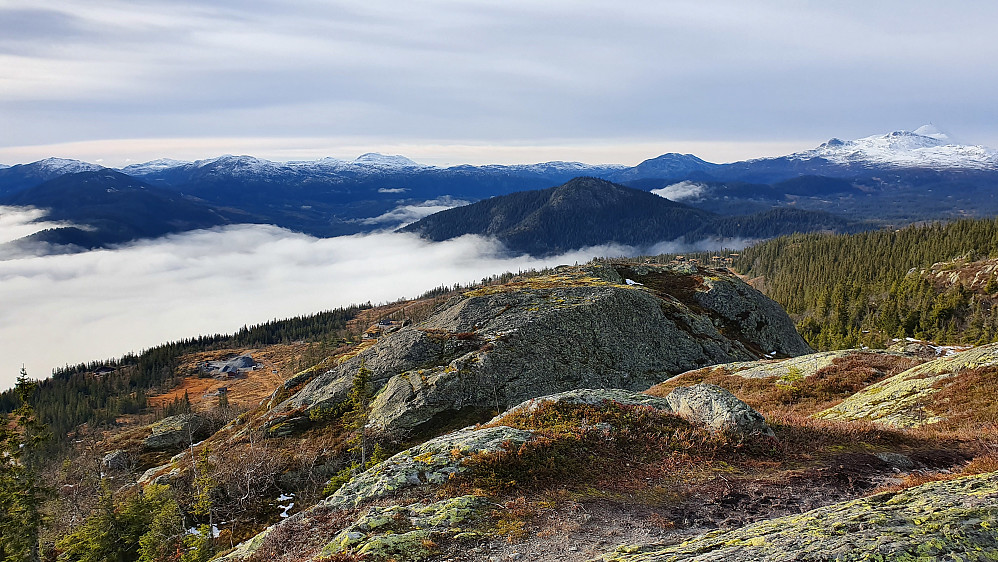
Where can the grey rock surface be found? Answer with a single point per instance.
(118, 459)
(593, 396)
(176, 431)
(581, 327)
(713, 407)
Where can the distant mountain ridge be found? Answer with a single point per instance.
(589, 212)
(891, 179)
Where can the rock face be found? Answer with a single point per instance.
(711, 406)
(951, 520)
(597, 326)
(899, 400)
(176, 431)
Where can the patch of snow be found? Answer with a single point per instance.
(632, 282)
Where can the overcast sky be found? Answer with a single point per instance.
(468, 81)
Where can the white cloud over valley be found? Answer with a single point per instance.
(71, 308)
(681, 191)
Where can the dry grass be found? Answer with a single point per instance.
(302, 538)
(968, 402)
(245, 390)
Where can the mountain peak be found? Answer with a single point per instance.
(387, 160)
(925, 147)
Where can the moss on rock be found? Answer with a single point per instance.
(949, 520)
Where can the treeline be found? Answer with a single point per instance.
(867, 288)
(98, 392)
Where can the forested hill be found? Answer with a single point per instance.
(589, 212)
(866, 288)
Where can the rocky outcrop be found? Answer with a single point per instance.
(950, 520)
(176, 432)
(899, 401)
(801, 366)
(436, 461)
(590, 396)
(710, 406)
(404, 532)
(597, 326)
(432, 462)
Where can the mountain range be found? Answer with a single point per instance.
(890, 179)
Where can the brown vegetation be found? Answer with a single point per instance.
(805, 395)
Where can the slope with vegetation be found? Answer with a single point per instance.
(934, 282)
(356, 456)
(590, 212)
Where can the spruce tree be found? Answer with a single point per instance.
(21, 492)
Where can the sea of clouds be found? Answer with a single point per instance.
(63, 309)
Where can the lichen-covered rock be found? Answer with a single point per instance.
(432, 462)
(593, 396)
(162, 474)
(950, 520)
(899, 400)
(402, 531)
(713, 407)
(176, 431)
(796, 367)
(583, 327)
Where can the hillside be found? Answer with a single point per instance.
(590, 212)
(933, 282)
(106, 207)
(619, 411)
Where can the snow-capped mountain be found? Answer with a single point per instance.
(157, 165)
(926, 147)
(63, 166)
(386, 162)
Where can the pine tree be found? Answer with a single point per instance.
(21, 493)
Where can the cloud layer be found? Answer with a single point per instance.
(73, 308)
(66, 309)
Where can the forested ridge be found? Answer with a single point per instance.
(74, 396)
(867, 288)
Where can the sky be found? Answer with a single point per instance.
(474, 81)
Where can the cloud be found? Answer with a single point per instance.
(681, 191)
(412, 212)
(496, 73)
(18, 222)
(66, 309)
